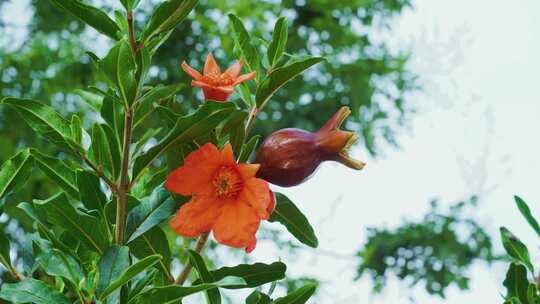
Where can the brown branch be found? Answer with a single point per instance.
(100, 173)
(187, 269)
(123, 189)
(131, 32)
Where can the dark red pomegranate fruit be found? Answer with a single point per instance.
(289, 156)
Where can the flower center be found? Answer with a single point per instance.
(227, 182)
(218, 80)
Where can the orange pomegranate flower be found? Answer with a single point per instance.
(216, 85)
(226, 197)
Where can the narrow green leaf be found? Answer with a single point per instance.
(258, 297)
(280, 76)
(526, 212)
(111, 265)
(151, 212)
(146, 103)
(516, 249)
(4, 251)
(56, 263)
(101, 153)
(213, 296)
(91, 16)
(76, 129)
(166, 17)
(31, 291)
(130, 4)
(91, 97)
(153, 241)
(15, 171)
(130, 273)
(169, 294)
(299, 296)
(242, 39)
(113, 113)
(279, 41)
(292, 218)
(532, 293)
(248, 148)
(253, 274)
(516, 283)
(57, 170)
(87, 228)
(235, 128)
(119, 66)
(148, 134)
(45, 121)
(186, 129)
(90, 191)
(245, 94)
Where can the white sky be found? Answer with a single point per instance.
(476, 132)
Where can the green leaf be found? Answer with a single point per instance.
(101, 152)
(213, 295)
(299, 296)
(90, 191)
(279, 41)
(76, 129)
(153, 241)
(186, 129)
(526, 212)
(4, 251)
(56, 263)
(91, 97)
(151, 212)
(111, 265)
(169, 294)
(280, 76)
(166, 17)
(31, 291)
(516, 249)
(15, 171)
(130, 4)
(130, 273)
(148, 134)
(120, 67)
(245, 94)
(292, 218)
(516, 283)
(45, 121)
(87, 228)
(242, 39)
(91, 16)
(57, 170)
(258, 297)
(113, 113)
(235, 128)
(248, 148)
(532, 293)
(145, 105)
(150, 180)
(253, 274)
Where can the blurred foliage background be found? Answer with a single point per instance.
(44, 58)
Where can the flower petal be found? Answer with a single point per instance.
(211, 66)
(197, 171)
(196, 216)
(255, 193)
(237, 225)
(234, 69)
(248, 170)
(191, 71)
(245, 77)
(227, 156)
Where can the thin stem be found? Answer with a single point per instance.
(251, 119)
(131, 32)
(187, 269)
(100, 173)
(124, 178)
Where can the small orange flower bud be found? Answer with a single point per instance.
(216, 85)
(290, 156)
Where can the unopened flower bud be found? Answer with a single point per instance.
(289, 156)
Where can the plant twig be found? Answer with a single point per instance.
(251, 119)
(100, 173)
(124, 186)
(187, 269)
(131, 32)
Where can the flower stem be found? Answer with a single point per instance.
(187, 269)
(123, 189)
